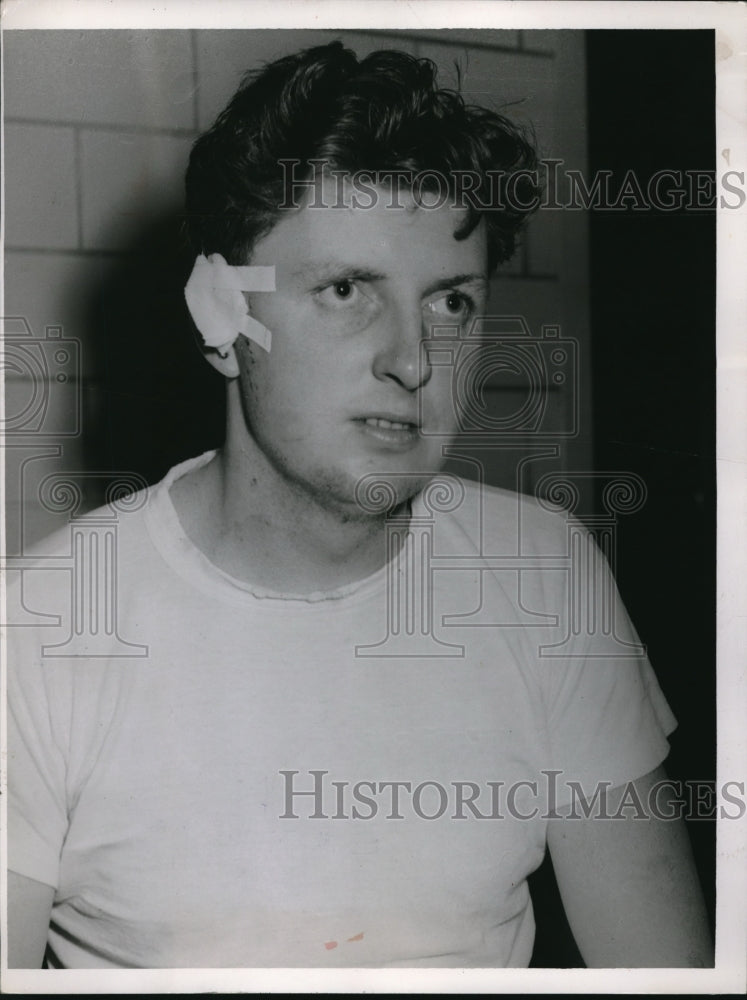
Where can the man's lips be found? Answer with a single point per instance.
(390, 421)
(391, 430)
(386, 424)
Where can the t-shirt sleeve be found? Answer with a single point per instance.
(607, 718)
(37, 800)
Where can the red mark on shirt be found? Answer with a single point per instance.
(329, 945)
(358, 937)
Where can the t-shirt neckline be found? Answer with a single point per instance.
(169, 536)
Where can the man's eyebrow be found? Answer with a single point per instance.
(336, 268)
(329, 269)
(477, 277)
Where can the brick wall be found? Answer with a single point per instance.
(98, 125)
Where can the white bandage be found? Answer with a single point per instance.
(217, 305)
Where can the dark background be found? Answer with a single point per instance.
(651, 101)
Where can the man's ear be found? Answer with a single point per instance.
(223, 359)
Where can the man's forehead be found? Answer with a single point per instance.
(358, 205)
(396, 189)
(366, 230)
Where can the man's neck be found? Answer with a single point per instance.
(257, 527)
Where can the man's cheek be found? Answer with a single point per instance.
(291, 424)
(440, 412)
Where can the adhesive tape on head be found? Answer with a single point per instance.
(217, 305)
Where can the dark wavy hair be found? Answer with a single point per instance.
(382, 113)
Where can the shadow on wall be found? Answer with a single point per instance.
(153, 400)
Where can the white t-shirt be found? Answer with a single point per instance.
(160, 791)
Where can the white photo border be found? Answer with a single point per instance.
(730, 24)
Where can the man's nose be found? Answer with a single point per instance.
(402, 355)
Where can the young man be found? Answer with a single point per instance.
(299, 748)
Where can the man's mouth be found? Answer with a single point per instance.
(395, 425)
(390, 431)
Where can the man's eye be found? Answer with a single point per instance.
(454, 305)
(343, 292)
(343, 289)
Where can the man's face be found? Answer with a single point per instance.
(348, 389)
